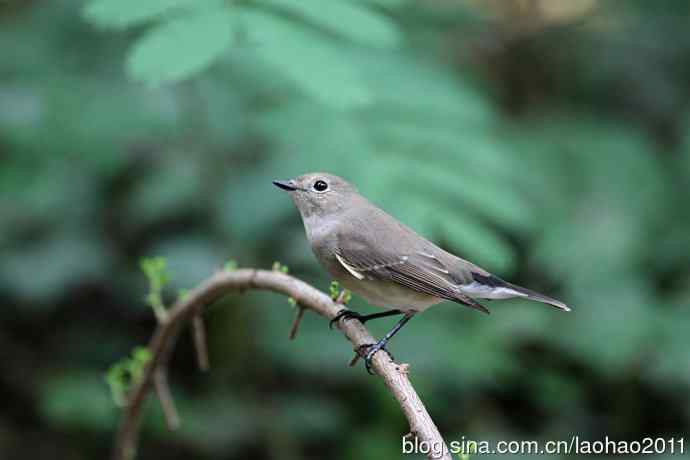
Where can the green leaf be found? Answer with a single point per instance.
(351, 20)
(310, 60)
(124, 13)
(180, 48)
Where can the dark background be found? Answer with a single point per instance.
(548, 141)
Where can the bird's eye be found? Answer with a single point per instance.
(320, 186)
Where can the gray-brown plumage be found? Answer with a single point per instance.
(372, 254)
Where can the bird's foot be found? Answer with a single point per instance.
(367, 351)
(346, 314)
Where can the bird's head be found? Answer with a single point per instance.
(318, 194)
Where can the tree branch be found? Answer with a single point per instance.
(163, 340)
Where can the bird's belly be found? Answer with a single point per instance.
(388, 294)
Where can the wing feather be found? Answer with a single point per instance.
(349, 268)
(418, 271)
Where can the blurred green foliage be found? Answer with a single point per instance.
(547, 141)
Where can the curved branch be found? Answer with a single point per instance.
(165, 335)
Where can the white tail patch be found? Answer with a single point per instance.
(482, 291)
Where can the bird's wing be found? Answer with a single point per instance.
(418, 270)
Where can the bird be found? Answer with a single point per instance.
(372, 254)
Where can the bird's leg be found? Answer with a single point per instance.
(364, 318)
(348, 314)
(381, 344)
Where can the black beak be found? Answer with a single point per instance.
(285, 185)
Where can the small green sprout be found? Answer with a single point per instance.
(125, 373)
(292, 302)
(335, 291)
(155, 269)
(230, 265)
(278, 267)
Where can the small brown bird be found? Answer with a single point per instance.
(373, 255)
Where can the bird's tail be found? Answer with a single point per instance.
(532, 295)
(495, 287)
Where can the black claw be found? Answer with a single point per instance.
(372, 349)
(343, 314)
(381, 344)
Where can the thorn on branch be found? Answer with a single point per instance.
(160, 382)
(354, 360)
(360, 352)
(199, 335)
(296, 322)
